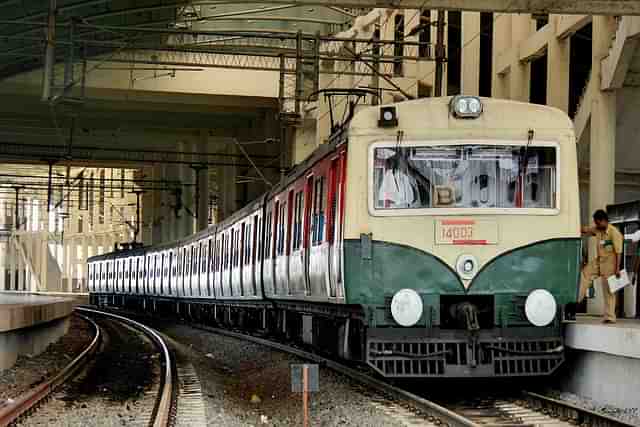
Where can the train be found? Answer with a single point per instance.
(430, 238)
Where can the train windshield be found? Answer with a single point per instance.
(464, 176)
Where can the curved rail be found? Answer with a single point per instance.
(581, 416)
(28, 400)
(444, 415)
(164, 402)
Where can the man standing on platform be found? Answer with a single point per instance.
(606, 264)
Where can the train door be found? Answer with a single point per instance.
(166, 276)
(127, 269)
(268, 270)
(109, 281)
(297, 264)
(117, 273)
(211, 246)
(152, 274)
(217, 292)
(159, 275)
(318, 250)
(188, 264)
(195, 263)
(204, 262)
(245, 257)
(173, 272)
(225, 266)
(251, 283)
(90, 277)
(334, 224)
(256, 255)
(164, 270)
(236, 241)
(134, 275)
(140, 284)
(248, 261)
(283, 247)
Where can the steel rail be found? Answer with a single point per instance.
(582, 416)
(164, 403)
(27, 401)
(444, 415)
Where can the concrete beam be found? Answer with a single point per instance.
(536, 45)
(503, 62)
(583, 115)
(569, 25)
(617, 63)
(564, 7)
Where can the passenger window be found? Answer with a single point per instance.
(319, 200)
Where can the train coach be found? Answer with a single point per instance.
(429, 238)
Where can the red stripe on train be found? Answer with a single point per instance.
(469, 242)
(458, 222)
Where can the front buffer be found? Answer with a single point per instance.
(485, 330)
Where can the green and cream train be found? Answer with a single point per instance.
(429, 238)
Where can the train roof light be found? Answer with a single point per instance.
(388, 117)
(466, 107)
(540, 307)
(406, 307)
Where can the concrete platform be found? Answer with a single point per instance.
(604, 361)
(29, 323)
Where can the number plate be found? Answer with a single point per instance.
(466, 232)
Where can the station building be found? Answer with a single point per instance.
(216, 122)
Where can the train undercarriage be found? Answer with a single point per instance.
(392, 352)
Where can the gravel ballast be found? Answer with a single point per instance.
(628, 415)
(246, 384)
(119, 387)
(28, 372)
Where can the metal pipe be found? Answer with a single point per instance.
(16, 212)
(49, 186)
(440, 53)
(386, 78)
(299, 74)
(50, 53)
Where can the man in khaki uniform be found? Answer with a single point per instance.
(607, 262)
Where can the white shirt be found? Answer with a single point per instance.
(398, 188)
(634, 237)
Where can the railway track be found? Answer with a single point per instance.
(163, 411)
(159, 412)
(527, 409)
(29, 401)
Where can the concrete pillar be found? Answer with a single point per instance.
(147, 212)
(603, 124)
(227, 189)
(558, 71)
(603, 138)
(186, 220)
(44, 263)
(3, 265)
(172, 173)
(203, 186)
(73, 261)
(12, 265)
(520, 74)
(501, 46)
(471, 53)
(156, 199)
(166, 202)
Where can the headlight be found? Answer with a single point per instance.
(540, 307)
(406, 307)
(466, 266)
(466, 107)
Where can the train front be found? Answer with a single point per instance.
(461, 238)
